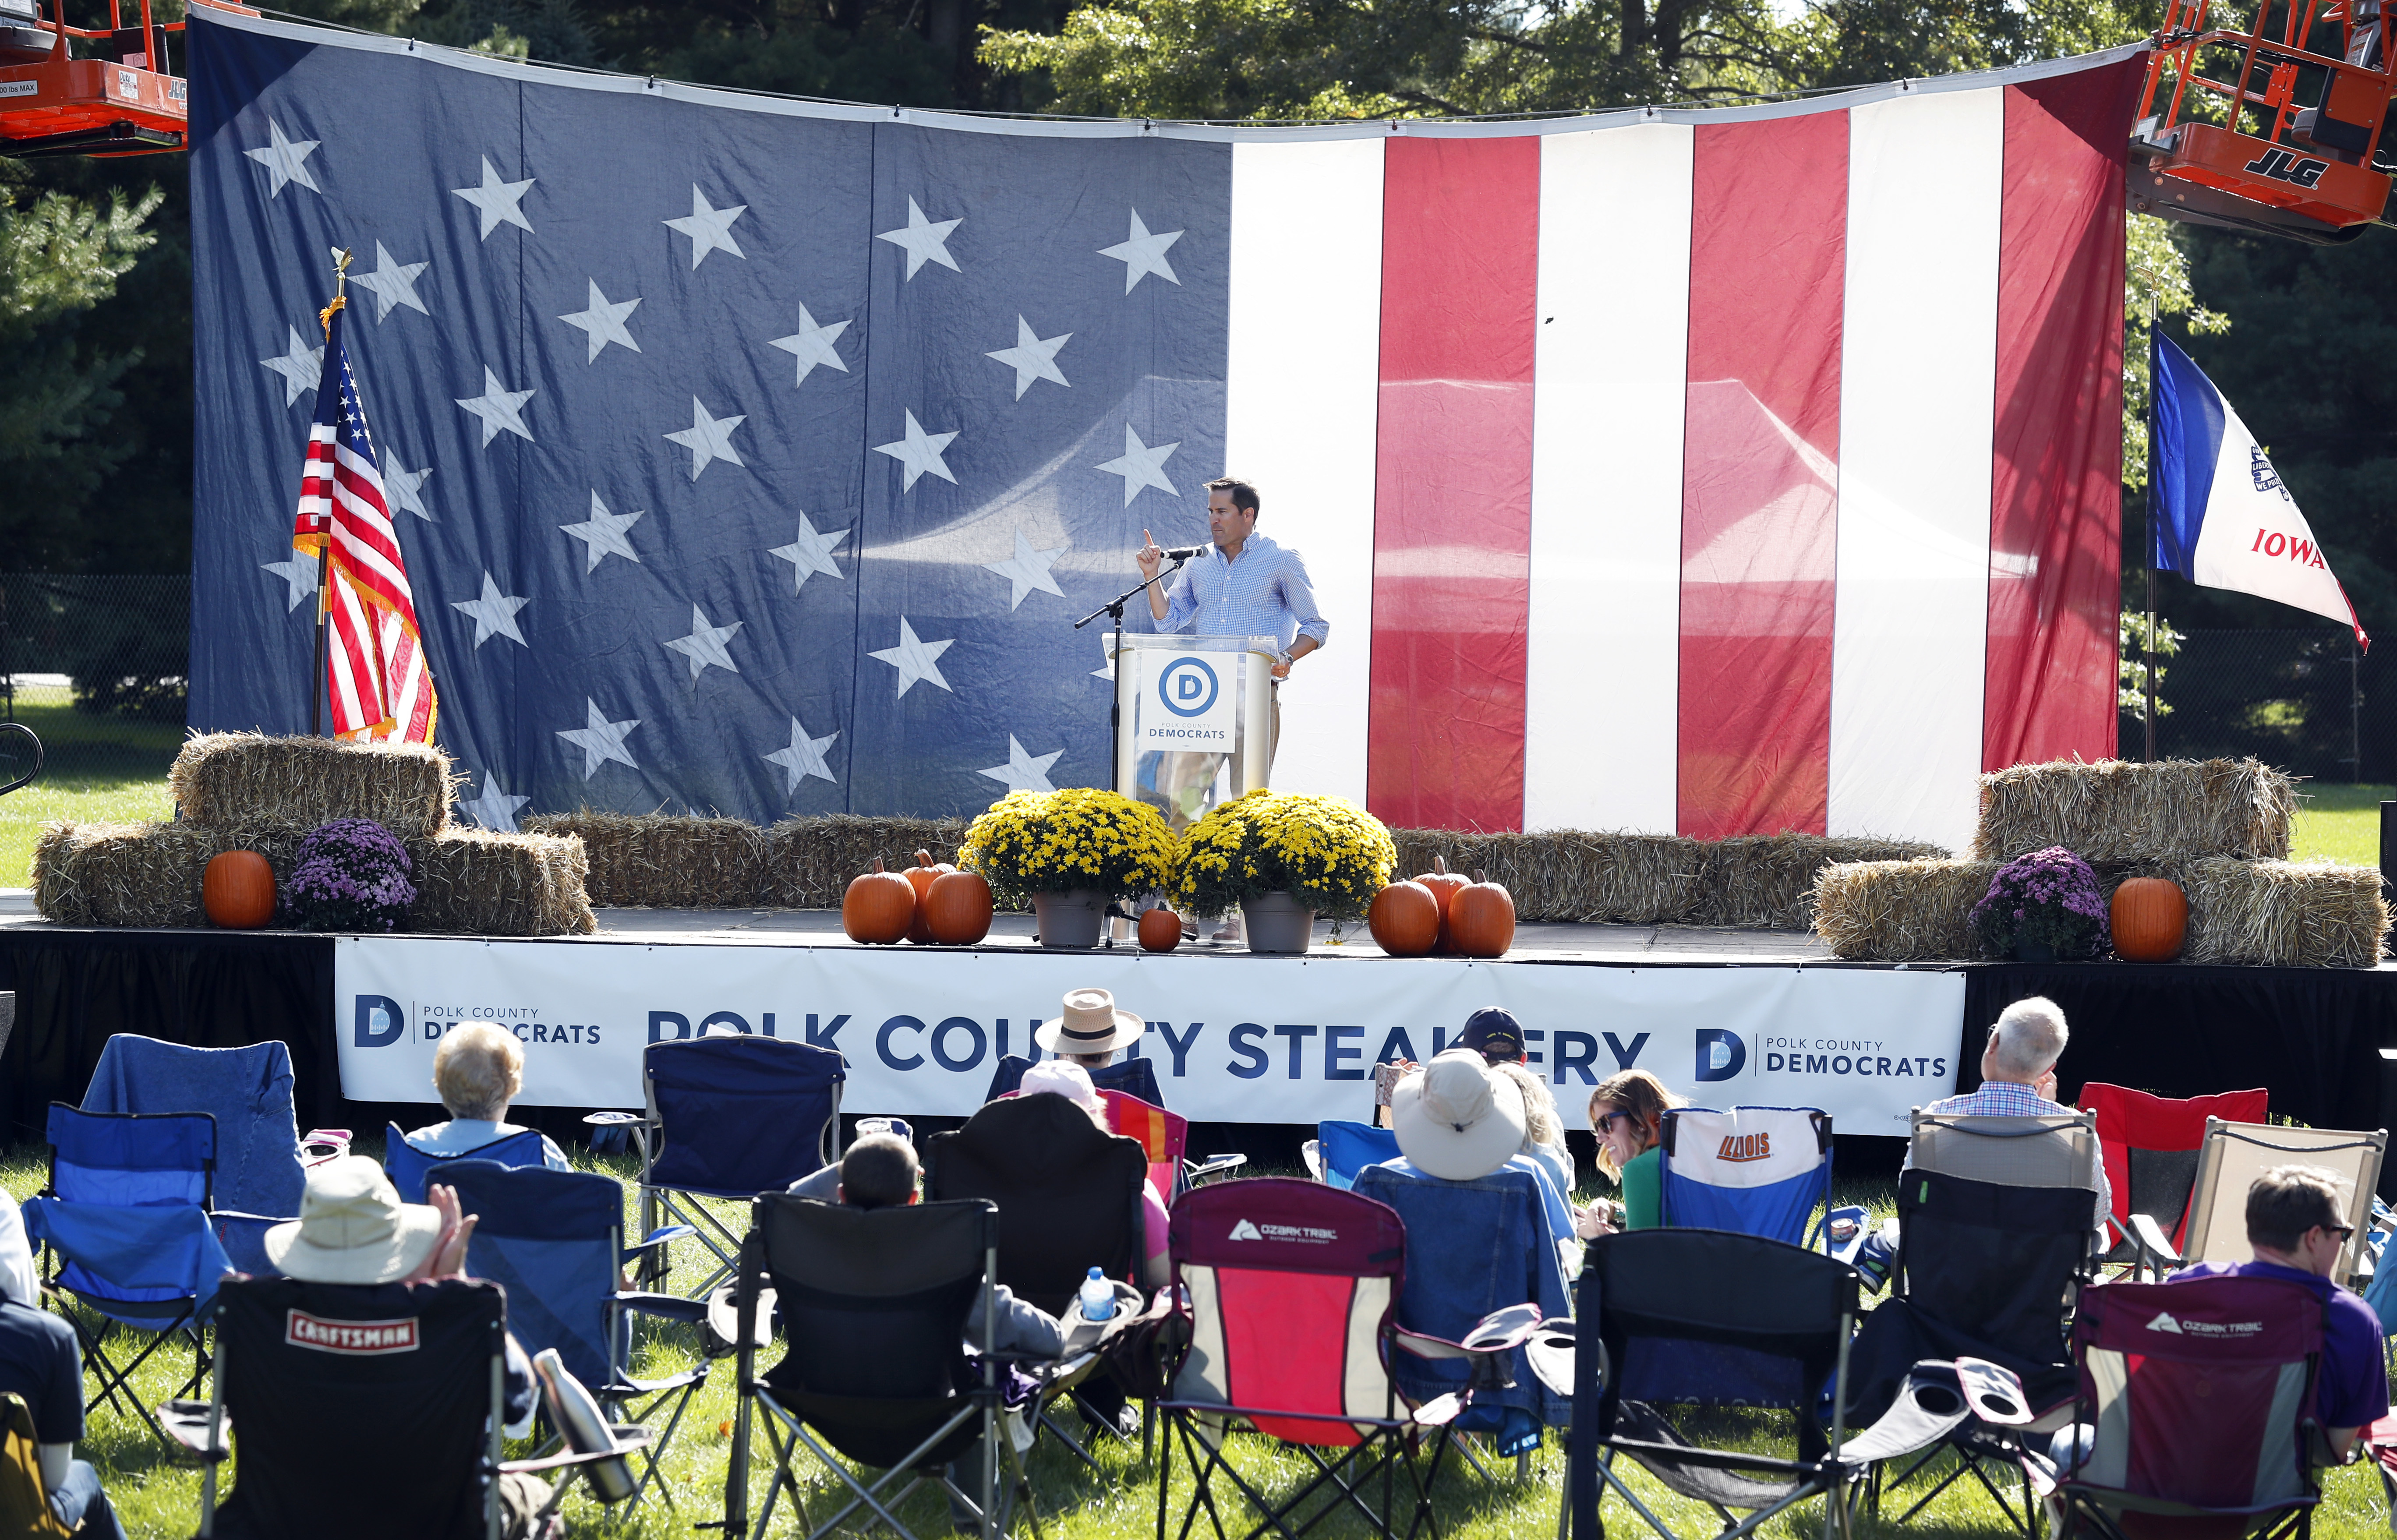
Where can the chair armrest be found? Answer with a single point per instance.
(334, 1142)
(187, 1423)
(628, 1436)
(671, 1306)
(2149, 1237)
(611, 1120)
(662, 1235)
(1196, 1172)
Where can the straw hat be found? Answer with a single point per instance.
(1054, 1077)
(1456, 1119)
(1090, 1025)
(352, 1228)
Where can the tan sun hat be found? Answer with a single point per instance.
(352, 1228)
(1456, 1119)
(1090, 1025)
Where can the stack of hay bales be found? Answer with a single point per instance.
(241, 791)
(2219, 827)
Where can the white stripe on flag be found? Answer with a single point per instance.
(1601, 695)
(1302, 391)
(1918, 374)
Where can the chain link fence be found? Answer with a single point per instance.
(95, 665)
(2302, 700)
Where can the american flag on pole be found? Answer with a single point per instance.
(374, 667)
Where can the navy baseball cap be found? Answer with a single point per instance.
(1494, 1033)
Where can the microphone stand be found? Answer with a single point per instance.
(1115, 608)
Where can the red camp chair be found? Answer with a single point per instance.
(2201, 1393)
(1163, 1134)
(2151, 1145)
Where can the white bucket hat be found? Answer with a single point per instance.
(1456, 1119)
(1090, 1025)
(352, 1228)
(1053, 1077)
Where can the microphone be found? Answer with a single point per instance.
(1184, 553)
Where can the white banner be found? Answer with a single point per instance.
(1236, 1038)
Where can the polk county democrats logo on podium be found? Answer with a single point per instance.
(1190, 701)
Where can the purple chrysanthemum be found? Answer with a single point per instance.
(2048, 897)
(351, 875)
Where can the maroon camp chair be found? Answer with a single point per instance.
(2202, 1396)
(2151, 1145)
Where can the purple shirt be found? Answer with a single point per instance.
(2351, 1387)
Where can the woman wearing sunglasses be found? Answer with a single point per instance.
(1625, 1111)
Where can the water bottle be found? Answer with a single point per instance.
(1098, 1297)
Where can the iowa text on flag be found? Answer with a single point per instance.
(374, 662)
(2222, 518)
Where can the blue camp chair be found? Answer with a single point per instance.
(124, 1217)
(406, 1165)
(1339, 1150)
(730, 1117)
(555, 1240)
(1749, 1170)
(1132, 1077)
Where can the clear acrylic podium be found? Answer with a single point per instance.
(1193, 720)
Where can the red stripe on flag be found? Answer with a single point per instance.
(1760, 477)
(1452, 490)
(2056, 492)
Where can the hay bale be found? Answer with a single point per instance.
(663, 861)
(235, 780)
(2290, 914)
(473, 882)
(1568, 874)
(1900, 911)
(121, 874)
(810, 860)
(2180, 810)
(1766, 882)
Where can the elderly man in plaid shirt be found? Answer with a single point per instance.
(2019, 1075)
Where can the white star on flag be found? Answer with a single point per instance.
(1142, 466)
(924, 240)
(495, 810)
(603, 535)
(599, 739)
(1106, 669)
(501, 408)
(803, 758)
(1032, 357)
(603, 322)
(498, 202)
(709, 228)
(708, 438)
(404, 486)
(299, 574)
(1023, 771)
(1143, 254)
(921, 453)
(704, 647)
(1027, 570)
(494, 614)
(914, 659)
(811, 344)
(301, 367)
(284, 160)
(809, 552)
(391, 283)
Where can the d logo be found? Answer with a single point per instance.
(1720, 1055)
(380, 1022)
(1187, 687)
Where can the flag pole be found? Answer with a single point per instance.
(2148, 642)
(325, 552)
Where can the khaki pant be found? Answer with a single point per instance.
(1184, 779)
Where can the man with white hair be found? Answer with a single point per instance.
(2019, 1075)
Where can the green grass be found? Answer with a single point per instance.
(2338, 822)
(96, 769)
(158, 1498)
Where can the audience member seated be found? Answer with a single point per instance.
(825, 1185)
(1627, 1111)
(2019, 1075)
(40, 1363)
(353, 1229)
(2295, 1229)
(1064, 1078)
(1458, 1120)
(478, 1070)
(1091, 1031)
(1494, 1033)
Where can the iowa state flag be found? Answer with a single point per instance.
(2222, 518)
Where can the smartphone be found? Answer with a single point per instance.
(1385, 1080)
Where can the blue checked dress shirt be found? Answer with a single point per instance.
(1264, 593)
(2008, 1098)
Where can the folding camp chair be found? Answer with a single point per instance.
(2151, 1145)
(555, 1241)
(1339, 1150)
(1477, 1248)
(2201, 1396)
(728, 1117)
(1700, 1317)
(1132, 1077)
(364, 1410)
(1287, 1295)
(877, 1307)
(407, 1166)
(1751, 1170)
(125, 1216)
(2235, 1153)
(1166, 1136)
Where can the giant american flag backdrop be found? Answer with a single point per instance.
(1719, 472)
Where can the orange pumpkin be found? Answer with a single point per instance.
(1160, 930)
(879, 906)
(1444, 885)
(1481, 919)
(956, 908)
(1404, 919)
(921, 876)
(238, 890)
(2149, 917)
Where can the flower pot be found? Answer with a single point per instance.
(1072, 918)
(1275, 923)
(2027, 950)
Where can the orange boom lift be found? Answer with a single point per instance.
(115, 99)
